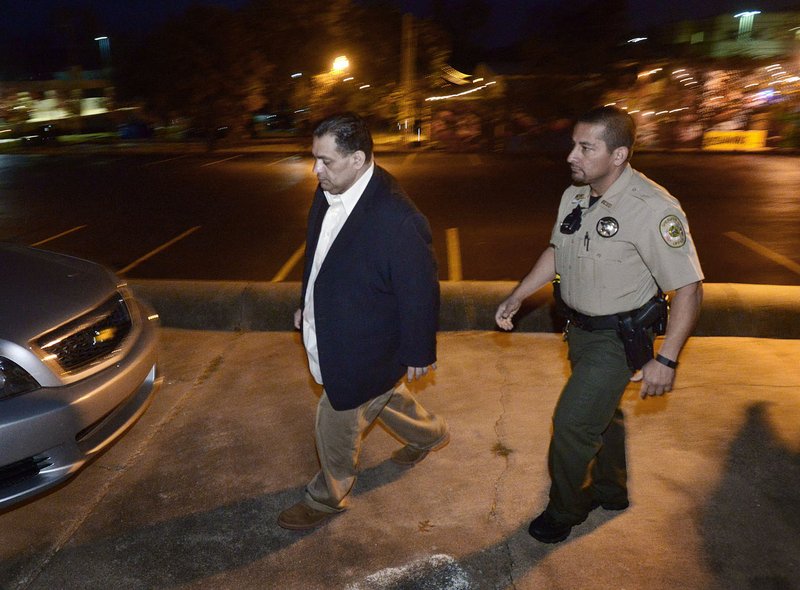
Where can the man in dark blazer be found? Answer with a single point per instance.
(369, 311)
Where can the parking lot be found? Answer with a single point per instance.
(240, 215)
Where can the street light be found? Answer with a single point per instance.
(746, 22)
(105, 50)
(340, 64)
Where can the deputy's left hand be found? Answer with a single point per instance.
(657, 379)
(419, 372)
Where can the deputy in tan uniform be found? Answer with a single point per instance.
(620, 239)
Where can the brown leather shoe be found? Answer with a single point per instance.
(409, 455)
(301, 516)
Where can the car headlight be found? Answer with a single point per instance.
(14, 380)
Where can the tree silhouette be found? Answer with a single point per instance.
(204, 66)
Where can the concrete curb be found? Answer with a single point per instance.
(729, 309)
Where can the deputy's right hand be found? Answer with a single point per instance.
(506, 311)
(298, 319)
(656, 379)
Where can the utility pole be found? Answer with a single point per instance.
(408, 105)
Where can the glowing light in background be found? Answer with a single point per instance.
(650, 73)
(340, 64)
(747, 13)
(470, 91)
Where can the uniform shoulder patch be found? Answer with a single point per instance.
(672, 231)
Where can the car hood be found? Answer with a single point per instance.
(42, 290)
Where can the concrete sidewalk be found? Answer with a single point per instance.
(189, 497)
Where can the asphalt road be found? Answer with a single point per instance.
(241, 216)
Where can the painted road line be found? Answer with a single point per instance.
(453, 254)
(295, 157)
(784, 261)
(62, 234)
(164, 161)
(161, 248)
(220, 161)
(290, 264)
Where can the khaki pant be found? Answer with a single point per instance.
(339, 436)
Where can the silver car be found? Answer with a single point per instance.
(77, 366)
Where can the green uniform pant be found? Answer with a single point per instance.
(587, 450)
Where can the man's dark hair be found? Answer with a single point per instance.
(351, 133)
(619, 128)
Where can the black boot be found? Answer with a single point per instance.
(543, 528)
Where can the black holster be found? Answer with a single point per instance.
(637, 328)
(638, 343)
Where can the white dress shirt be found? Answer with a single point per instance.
(339, 209)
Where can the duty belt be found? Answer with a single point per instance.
(591, 323)
(652, 314)
(635, 328)
(641, 317)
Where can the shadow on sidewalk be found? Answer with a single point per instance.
(173, 552)
(751, 524)
(187, 548)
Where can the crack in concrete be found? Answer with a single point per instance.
(500, 449)
(211, 368)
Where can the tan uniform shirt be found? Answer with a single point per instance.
(632, 241)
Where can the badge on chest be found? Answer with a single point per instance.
(607, 227)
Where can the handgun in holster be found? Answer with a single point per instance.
(637, 329)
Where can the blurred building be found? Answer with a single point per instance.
(749, 34)
(728, 82)
(77, 100)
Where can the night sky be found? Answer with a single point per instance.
(24, 23)
(126, 13)
(508, 15)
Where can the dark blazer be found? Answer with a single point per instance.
(376, 297)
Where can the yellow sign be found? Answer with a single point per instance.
(748, 141)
